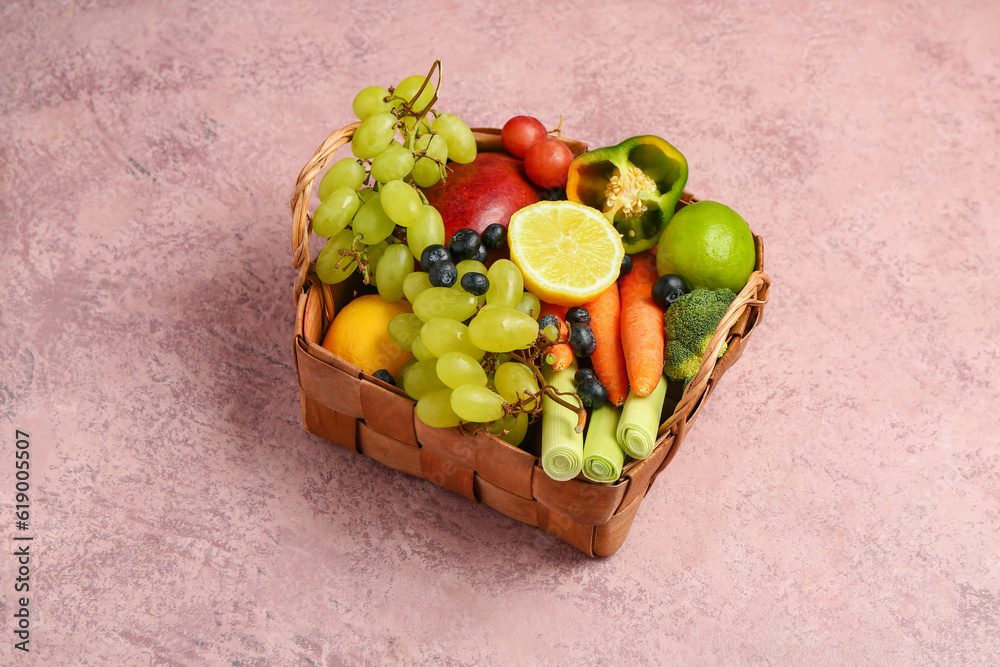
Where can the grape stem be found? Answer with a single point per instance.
(434, 98)
(361, 256)
(423, 154)
(530, 359)
(558, 130)
(437, 88)
(550, 391)
(489, 360)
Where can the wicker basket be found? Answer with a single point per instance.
(354, 410)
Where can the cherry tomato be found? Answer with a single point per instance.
(547, 163)
(521, 133)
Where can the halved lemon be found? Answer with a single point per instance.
(568, 253)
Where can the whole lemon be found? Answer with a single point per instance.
(708, 245)
(358, 334)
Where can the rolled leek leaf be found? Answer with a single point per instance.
(602, 455)
(562, 446)
(639, 421)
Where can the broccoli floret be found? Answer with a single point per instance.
(689, 324)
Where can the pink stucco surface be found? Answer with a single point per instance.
(836, 502)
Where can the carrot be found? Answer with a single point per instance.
(608, 359)
(642, 326)
(560, 355)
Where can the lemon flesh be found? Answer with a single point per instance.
(568, 253)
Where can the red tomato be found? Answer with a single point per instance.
(521, 133)
(547, 163)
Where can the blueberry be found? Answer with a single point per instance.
(581, 339)
(443, 273)
(584, 374)
(667, 289)
(475, 283)
(592, 393)
(482, 254)
(626, 266)
(433, 254)
(385, 376)
(548, 320)
(494, 236)
(464, 244)
(578, 315)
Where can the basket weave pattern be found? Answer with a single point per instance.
(354, 410)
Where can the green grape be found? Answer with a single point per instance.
(469, 266)
(458, 368)
(444, 335)
(407, 90)
(434, 409)
(344, 173)
(370, 101)
(473, 403)
(393, 163)
(336, 211)
(515, 381)
(516, 435)
(406, 369)
(420, 350)
(448, 303)
(515, 425)
(366, 194)
(403, 328)
(396, 263)
(401, 203)
(428, 230)
(505, 423)
(458, 136)
(530, 305)
(426, 172)
(506, 284)
(422, 378)
(331, 266)
(551, 332)
(373, 256)
(414, 284)
(502, 329)
(372, 223)
(373, 135)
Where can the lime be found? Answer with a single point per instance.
(709, 246)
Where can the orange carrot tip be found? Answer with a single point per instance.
(608, 358)
(641, 328)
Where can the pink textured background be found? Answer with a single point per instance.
(837, 500)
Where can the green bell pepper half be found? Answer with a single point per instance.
(636, 185)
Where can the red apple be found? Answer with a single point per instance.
(489, 189)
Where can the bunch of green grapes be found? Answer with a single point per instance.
(462, 370)
(371, 208)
